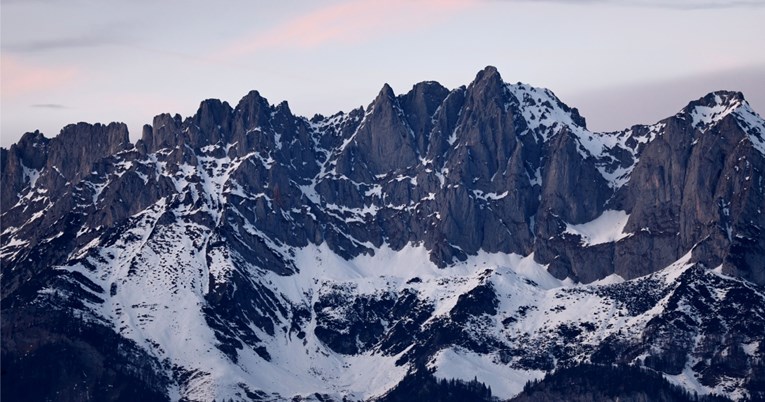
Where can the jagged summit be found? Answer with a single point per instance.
(720, 107)
(713, 107)
(248, 253)
(386, 92)
(718, 98)
(537, 105)
(488, 74)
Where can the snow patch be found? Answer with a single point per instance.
(607, 228)
(609, 280)
(489, 196)
(705, 116)
(504, 381)
(688, 380)
(30, 175)
(754, 126)
(674, 270)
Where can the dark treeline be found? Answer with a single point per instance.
(422, 386)
(593, 383)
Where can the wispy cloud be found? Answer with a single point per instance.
(21, 77)
(113, 34)
(57, 44)
(349, 22)
(670, 4)
(7, 2)
(49, 106)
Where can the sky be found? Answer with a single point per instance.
(620, 62)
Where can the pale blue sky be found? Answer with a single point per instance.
(620, 62)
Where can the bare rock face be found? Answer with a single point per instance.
(66, 158)
(486, 136)
(73, 152)
(384, 143)
(688, 180)
(420, 106)
(243, 220)
(19, 165)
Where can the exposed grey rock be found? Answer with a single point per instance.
(383, 144)
(420, 105)
(27, 156)
(73, 152)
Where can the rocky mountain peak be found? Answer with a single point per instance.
(725, 108)
(423, 100)
(78, 146)
(31, 149)
(386, 94)
(384, 142)
(20, 166)
(210, 125)
(213, 113)
(717, 98)
(164, 132)
(247, 252)
(487, 87)
(253, 110)
(385, 102)
(284, 108)
(713, 108)
(420, 105)
(488, 74)
(31, 139)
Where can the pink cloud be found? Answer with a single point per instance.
(20, 77)
(350, 22)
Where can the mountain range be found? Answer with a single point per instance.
(480, 233)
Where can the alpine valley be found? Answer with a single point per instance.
(481, 235)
